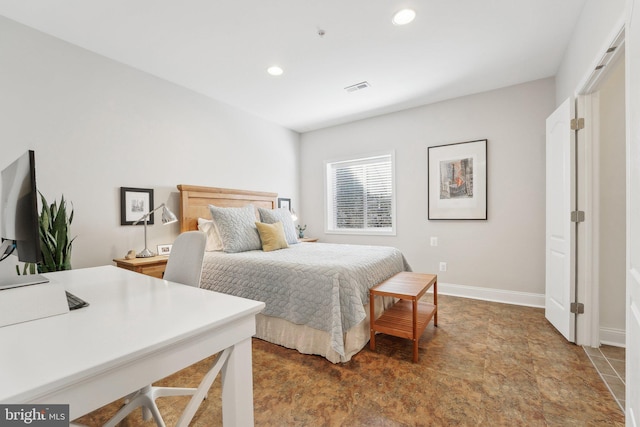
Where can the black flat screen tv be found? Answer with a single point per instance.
(19, 218)
(19, 207)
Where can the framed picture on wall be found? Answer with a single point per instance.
(134, 204)
(284, 203)
(457, 180)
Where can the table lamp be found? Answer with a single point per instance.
(167, 218)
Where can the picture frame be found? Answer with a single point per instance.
(164, 250)
(457, 181)
(284, 203)
(134, 204)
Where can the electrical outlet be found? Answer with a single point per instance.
(434, 241)
(443, 266)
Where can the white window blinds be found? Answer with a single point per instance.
(360, 195)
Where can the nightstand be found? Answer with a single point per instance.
(152, 266)
(308, 239)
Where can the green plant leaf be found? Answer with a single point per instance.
(55, 243)
(55, 240)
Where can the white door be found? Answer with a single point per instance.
(560, 231)
(633, 215)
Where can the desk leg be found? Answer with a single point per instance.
(237, 386)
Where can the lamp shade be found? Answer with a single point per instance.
(167, 216)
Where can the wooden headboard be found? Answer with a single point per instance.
(195, 201)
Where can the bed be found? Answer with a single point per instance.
(316, 294)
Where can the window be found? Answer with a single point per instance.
(360, 195)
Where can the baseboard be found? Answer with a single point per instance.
(488, 294)
(608, 336)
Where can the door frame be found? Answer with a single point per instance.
(588, 192)
(588, 237)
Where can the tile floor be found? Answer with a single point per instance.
(486, 364)
(609, 361)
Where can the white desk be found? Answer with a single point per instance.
(137, 330)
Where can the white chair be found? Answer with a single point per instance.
(184, 266)
(185, 262)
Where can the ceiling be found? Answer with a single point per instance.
(222, 48)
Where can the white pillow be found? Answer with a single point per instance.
(236, 228)
(269, 216)
(213, 239)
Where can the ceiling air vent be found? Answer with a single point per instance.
(357, 86)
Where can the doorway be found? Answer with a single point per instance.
(602, 194)
(605, 177)
(591, 273)
(601, 245)
(611, 205)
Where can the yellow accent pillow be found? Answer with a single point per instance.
(272, 236)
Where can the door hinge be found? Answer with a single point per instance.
(577, 308)
(577, 124)
(577, 216)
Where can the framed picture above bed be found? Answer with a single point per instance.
(134, 204)
(457, 181)
(284, 203)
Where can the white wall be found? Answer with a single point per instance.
(97, 125)
(597, 26)
(505, 252)
(612, 203)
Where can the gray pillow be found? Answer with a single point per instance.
(282, 215)
(236, 228)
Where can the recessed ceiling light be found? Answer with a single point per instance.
(274, 70)
(404, 16)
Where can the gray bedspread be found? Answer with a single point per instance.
(321, 285)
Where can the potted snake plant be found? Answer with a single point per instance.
(55, 238)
